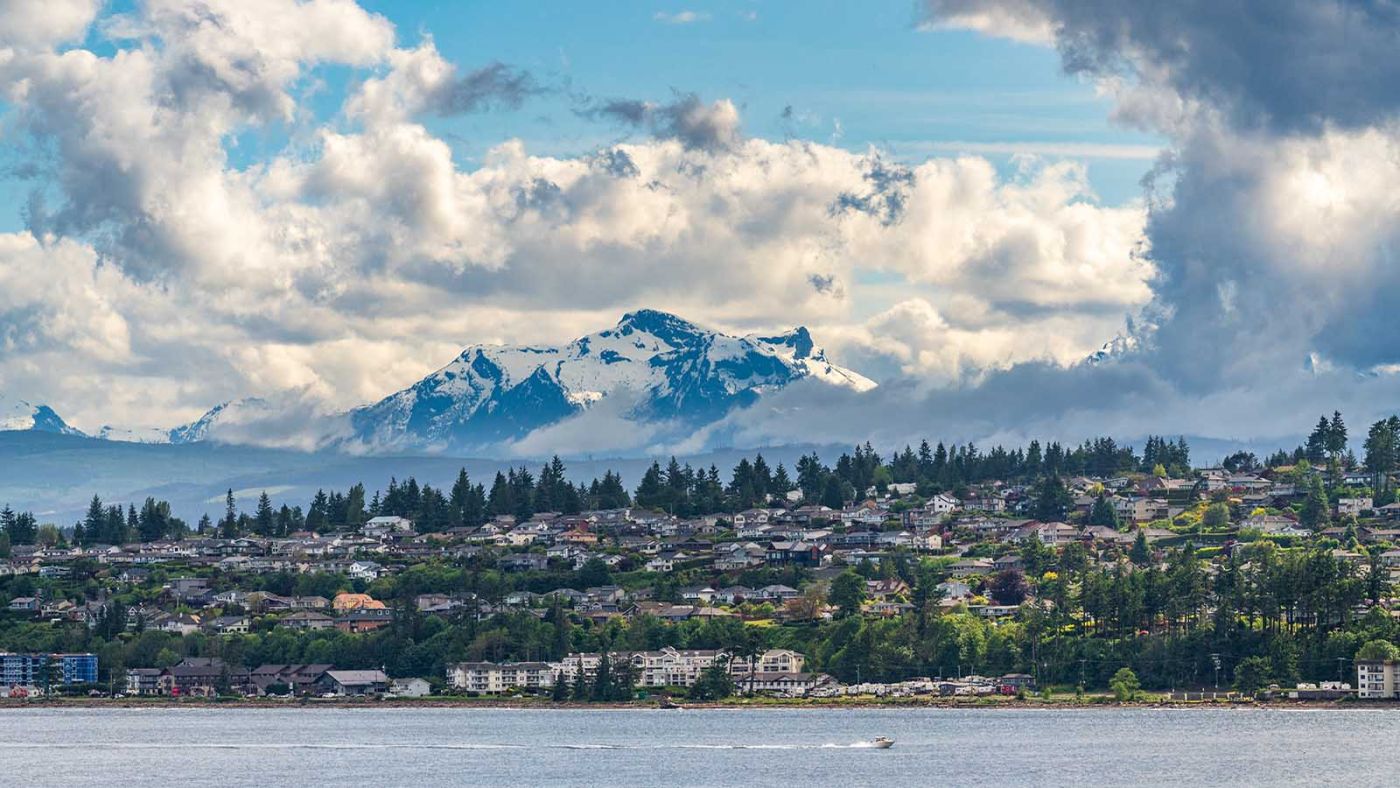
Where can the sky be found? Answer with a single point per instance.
(317, 202)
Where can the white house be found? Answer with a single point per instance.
(364, 570)
(943, 503)
(410, 688)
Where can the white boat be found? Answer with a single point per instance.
(882, 743)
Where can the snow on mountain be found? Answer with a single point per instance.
(676, 370)
(1121, 345)
(134, 434)
(16, 415)
(221, 418)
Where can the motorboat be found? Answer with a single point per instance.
(882, 743)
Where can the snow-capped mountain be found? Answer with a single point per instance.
(669, 369)
(133, 434)
(19, 416)
(222, 417)
(1121, 345)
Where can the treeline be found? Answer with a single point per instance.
(1265, 614)
(684, 490)
(679, 489)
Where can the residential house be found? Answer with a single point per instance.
(228, 625)
(143, 681)
(354, 682)
(364, 620)
(410, 688)
(524, 562)
(966, 567)
(306, 620)
(364, 570)
(942, 504)
(344, 603)
(386, 524)
(1353, 506)
(295, 679)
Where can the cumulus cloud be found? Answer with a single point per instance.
(1271, 226)
(363, 255)
(44, 23)
(420, 81)
(1280, 65)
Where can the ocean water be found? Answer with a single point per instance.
(809, 747)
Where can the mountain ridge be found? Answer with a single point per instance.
(657, 367)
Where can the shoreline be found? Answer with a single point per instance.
(7, 704)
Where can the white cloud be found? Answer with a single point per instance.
(1017, 20)
(362, 256)
(40, 24)
(686, 17)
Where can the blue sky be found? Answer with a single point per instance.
(853, 74)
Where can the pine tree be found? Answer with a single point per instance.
(1140, 553)
(1103, 513)
(781, 484)
(228, 527)
(264, 520)
(1053, 502)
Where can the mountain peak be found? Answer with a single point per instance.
(667, 369)
(23, 416)
(662, 325)
(799, 339)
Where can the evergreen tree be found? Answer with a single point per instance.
(228, 527)
(154, 522)
(264, 519)
(95, 521)
(1317, 509)
(1052, 501)
(781, 484)
(354, 506)
(1103, 512)
(1140, 553)
(833, 492)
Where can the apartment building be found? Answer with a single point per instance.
(1377, 679)
(497, 677)
(29, 670)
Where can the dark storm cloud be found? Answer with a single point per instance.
(1283, 65)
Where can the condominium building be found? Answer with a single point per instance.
(496, 677)
(30, 670)
(1377, 679)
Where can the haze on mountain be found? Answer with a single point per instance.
(666, 375)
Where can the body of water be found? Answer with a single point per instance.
(812, 747)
